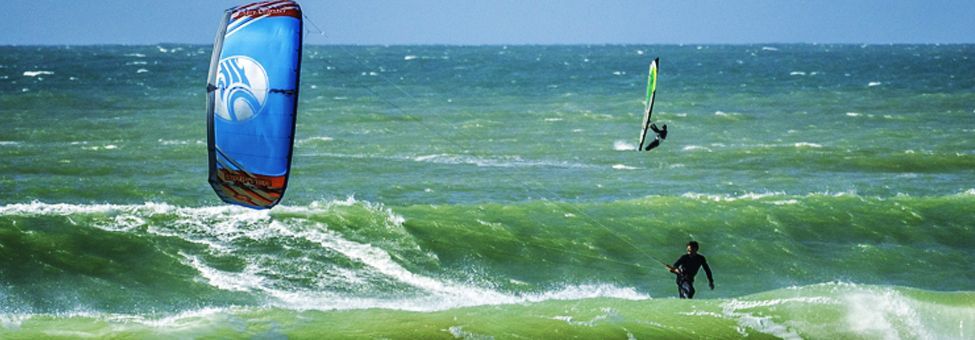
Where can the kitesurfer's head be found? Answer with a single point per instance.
(692, 247)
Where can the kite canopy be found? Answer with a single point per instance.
(252, 99)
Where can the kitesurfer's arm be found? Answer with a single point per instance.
(707, 270)
(676, 267)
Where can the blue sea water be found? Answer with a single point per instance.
(495, 192)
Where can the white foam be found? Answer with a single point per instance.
(8, 143)
(693, 148)
(874, 83)
(785, 202)
(409, 57)
(623, 167)
(316, 139)
(37, 208)
(141, 70)
(871, 313)
(733, 309)
(623, 146)
(807, 145)
(242, 282)
(769, 48)
(459, 333)
(797, 73)
(853, 114)
(37, 73)
(103, 147)
(728, 198)
(178, 142)
(609, 313)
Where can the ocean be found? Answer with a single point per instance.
(495, 192)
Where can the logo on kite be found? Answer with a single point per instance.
(242, 89)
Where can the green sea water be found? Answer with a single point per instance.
(495, 192)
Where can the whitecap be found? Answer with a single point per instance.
(410, 57)
(807, 145)
(797, 73)
(874, 83)
(98, 148)
(623, 167)
(693, 148)
(37, 73)
(172, 142)
(853, 114)
(623, 146)
(316, 139)
(786, 202)
(729, 198)
(769, 48)
(141, 70)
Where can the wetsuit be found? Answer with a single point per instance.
(661, 135)
(688, 266)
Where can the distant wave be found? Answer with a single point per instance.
(451, 159)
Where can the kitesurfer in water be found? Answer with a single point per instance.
(661, 135)
(686, 268)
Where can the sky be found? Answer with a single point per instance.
(477, 22)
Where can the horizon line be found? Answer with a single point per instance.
(512, 44)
